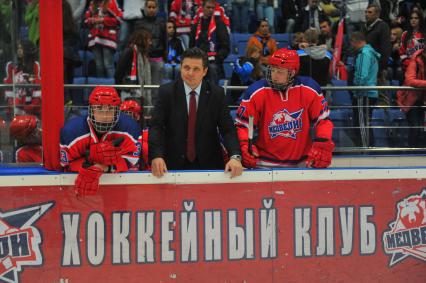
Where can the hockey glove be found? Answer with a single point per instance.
(104, 153)
(87, 182)
(320, 154)
(249, 160)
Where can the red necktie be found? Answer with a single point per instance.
(192, 117)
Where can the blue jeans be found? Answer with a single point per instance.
(104, 60)
(265, 11)
(240, 16)
(156, 78)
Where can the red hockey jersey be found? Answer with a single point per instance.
(29, 153)
(283, 121)
(78, 134)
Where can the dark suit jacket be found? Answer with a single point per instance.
(168, 132)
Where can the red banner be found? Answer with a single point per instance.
(297, 231)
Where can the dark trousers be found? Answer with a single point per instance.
(416, 132)
(363, 133)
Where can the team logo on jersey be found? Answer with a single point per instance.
(285, 124)
(20, 240)
(407, 234)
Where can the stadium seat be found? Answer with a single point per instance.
(342, 118)
(340, 97)
(397, 137)
(239, 42)
(283, 39)
(379, 134)
(78, 95)
(393, 136)
(228, 65)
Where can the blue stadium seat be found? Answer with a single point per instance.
(239, 42)
(342, 118)
(398, 137)
(283, 39)
(390, 137)
(227, 65)
(380, 138)
(340, 97)
(100, 81)
(78, 95)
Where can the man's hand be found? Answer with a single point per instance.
(235, 167)
(158, 167)
(320, 154)
(249, 160)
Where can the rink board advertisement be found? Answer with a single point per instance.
(282, 231)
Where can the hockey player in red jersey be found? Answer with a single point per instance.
(104, 141)
(134, 110)
(25, 129)
(284, 107)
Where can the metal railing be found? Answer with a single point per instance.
(364, 149)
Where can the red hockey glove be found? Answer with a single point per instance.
(320, 154)
(87, 182)
(249, 160)
(104, 153)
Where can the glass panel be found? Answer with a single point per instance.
(20, 98)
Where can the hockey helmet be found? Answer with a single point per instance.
(131, 108)
(23, 128)
(283, 59)
(104, 112)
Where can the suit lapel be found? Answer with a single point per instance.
(202, 104)
(181, 102)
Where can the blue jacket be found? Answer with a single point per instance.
(366, 68)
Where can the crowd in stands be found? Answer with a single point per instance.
(140, 42)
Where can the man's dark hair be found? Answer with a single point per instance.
(376, 8)
(196, 53)
(325, 19)
(357, 36)
(208, 1)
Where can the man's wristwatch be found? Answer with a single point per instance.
(236, 156)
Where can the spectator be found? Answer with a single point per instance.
(355, 14)
(247, 70)
(262, 39)
(310, 16)
(284, 107)
(377, 35)
(290, 14)
(240, 15)
(26, 131)
(27, 71)
(182, 12)
(103, 19)
(210, 34)
(175, 50)
(184, 129)
(315, 59)
(326, 36)
(105, 141)
(298, 41)
(133, 67)
(415, 76)
(413, 38)
(158, 48)
(330, 10)
(366, 69)
(265, 10)
(132, 12)
(394, 63)
(71, 44)
(77, 8)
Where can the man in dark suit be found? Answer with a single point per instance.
(187, 119)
